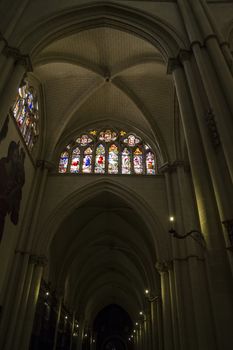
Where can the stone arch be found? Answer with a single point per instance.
(86, 193)
(150, 28)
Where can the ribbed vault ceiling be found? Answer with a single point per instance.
(106, 256)
(105, 74)
(103, 253)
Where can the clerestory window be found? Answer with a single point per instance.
(108, 151)
(25, 112)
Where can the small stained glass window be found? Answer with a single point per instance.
(126, 163)
(75, 161)
(113, 159)
(25, 112)
(137, 161)
(63, 164)
(100, 160)
(150, 163)
(108, 151)
(84, 140)
(87, 160)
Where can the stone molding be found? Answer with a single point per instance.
(173, 63)
(45, 164)
(39, 260)
(212, 128)
(169, 168)
(18, 57)
(164, 266)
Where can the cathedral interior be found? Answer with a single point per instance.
(116, 172)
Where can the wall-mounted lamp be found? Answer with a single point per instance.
(150, 297)
(195, 234)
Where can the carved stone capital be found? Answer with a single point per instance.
(39, 260)
(33, 259)
(209, 37)
(164, 266)
(15, 53)
(168, 168)
(44, 164)
(165, 168)
(173, 63)
(184, 55)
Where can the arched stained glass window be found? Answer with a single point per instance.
(100, 159)
(126, 161)
(113, 159)
(108, 151)
(137, 161)
(87, 160)
(25, 112)
(75, 160)
(150, 163)
(64, 159)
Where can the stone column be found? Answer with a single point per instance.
(12, 300)
(213, 48)
(159, 321)
(60, 298)
(220, 99)
(168, 336)
(72, 331)
(212, 147)
(3, 43)
(18, 326)
(31, 304)
(225, 46)
(22, 64)
(7, 62)
(31, 221)
(141, 336)
(216, 263)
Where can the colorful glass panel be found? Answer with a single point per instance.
(113, 159)
(137, 161)
(84, 140)
(150, 163)
(108, 136)
(100, 160)
(131, 140)
(25, 112)
(126, 162)
(87, 161)
(93, 156)
(75, 161)
(63, 163)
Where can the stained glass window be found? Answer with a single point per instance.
(64, 159)
(75, 161)
(25, 112)
(84, 140)
(137, 161)
(126, 163)
(108, 151)
(150, 163)
(87, 160)
(100, 160)
(113, 159)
